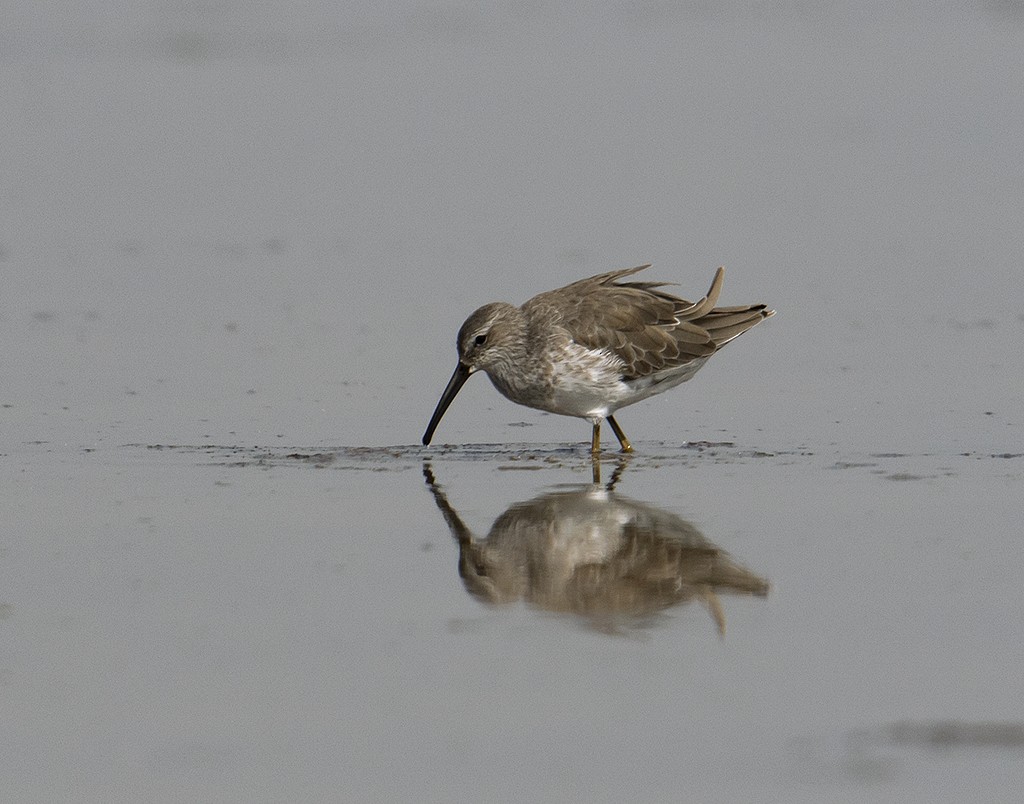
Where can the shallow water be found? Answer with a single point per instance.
(235, 252)
(218, 621)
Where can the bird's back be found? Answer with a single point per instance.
(649, 330)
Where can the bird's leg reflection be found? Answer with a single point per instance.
(621, 462)
(610, 560)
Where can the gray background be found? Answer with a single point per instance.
(244, 230)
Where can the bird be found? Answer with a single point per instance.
(594, 346)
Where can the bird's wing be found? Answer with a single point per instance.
(647, 328)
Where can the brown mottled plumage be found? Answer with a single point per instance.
(594, 346)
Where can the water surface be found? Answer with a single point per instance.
(236, 249)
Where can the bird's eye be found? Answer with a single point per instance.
(480, 339)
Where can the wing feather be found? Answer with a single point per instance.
(648, 329)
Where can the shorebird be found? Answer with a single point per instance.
(594, 346)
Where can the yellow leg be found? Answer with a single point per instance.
(626, 446)
(595, 440)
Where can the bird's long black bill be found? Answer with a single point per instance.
(458, 379)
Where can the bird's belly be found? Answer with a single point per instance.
(568, 396)
(586, 401)
(627, 392)
(583, 383)
(588, 384)
(643, 387)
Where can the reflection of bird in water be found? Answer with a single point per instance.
(596, 554)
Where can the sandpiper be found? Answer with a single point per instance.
(594, 346)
